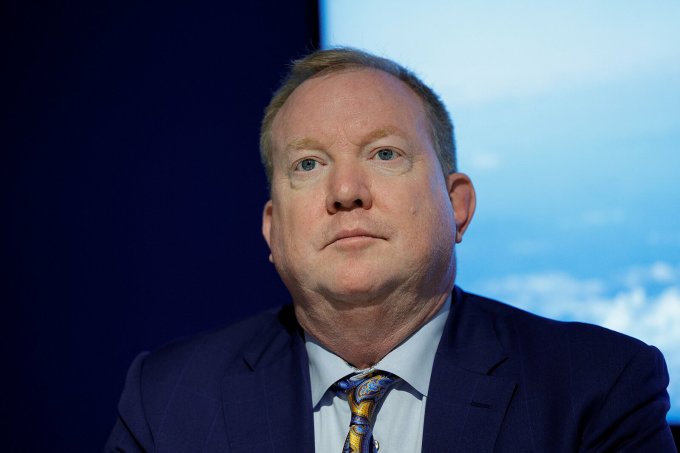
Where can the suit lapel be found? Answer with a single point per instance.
(466, 404)
(269, 408)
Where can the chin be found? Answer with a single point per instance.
(358, 290)
(356, 280)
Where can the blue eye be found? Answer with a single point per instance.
(306, 165)
(386, 154)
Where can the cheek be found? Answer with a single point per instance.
(431, 213)
(424, 196)
(294, 226)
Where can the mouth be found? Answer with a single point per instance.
(352, 237)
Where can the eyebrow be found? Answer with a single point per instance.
(303, 143)
(310, 143)
(380, 133)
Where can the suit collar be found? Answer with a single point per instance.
(275, 339)
(469, 340)
(268, 407)
(466, 404)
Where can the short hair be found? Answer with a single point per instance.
(322, 62)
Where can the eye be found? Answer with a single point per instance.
(306, 165)
(386, 154)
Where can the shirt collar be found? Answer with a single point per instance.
(412, 360)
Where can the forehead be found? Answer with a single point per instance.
(348, 102)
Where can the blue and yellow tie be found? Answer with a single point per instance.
(364, 392)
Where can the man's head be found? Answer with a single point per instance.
(361, 210)
(324, 62)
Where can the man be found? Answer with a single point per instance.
(379, 349)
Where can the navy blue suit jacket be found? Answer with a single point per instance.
(503, 380)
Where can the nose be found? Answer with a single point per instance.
(349, 188)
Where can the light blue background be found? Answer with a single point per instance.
(568, 121)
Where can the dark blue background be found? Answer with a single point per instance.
(135, 189)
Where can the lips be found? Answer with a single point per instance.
(353, 233)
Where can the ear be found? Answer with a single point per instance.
(267, 225)
(463, 200)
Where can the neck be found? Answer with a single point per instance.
(363, 334)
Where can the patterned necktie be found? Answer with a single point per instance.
(364, 392)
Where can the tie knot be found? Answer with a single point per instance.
(365, 390)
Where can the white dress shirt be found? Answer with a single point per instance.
(398, 425)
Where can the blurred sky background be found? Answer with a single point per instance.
(567, 119)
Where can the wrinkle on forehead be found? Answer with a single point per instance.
(387, 86)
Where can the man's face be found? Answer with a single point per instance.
(360, 208)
